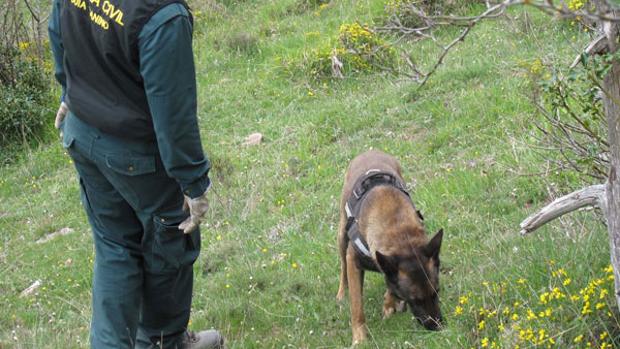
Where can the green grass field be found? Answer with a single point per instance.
(268, 273)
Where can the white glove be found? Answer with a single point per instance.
(197, 209)
(60, 114)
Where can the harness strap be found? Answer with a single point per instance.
(363, 185)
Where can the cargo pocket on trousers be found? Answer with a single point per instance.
(131, 165)
(172, 249)
(67, 141)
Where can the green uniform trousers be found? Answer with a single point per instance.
(143, 277)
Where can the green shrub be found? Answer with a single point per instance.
(573, 128)
(24, 96)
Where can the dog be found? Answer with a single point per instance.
(381, 230)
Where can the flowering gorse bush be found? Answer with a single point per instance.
(358, 48)
(562, 315)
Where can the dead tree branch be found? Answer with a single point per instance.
(592, 196)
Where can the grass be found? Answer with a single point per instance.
(268, 273)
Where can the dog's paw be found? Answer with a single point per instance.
(388, 311)
(401, 306)
(359, 335)
(392, 305)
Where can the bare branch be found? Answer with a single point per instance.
(444, 54)
(34, 14)
(592, 196)
(597, 46)
(336, 66)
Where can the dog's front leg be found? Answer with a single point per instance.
(342, 251)
(391, 304)
(355, 276)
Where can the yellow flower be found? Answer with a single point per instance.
(557, 294)
(578, 339)
(575, 5)
(484, 342)
(458, 310)
(530, 315)
(463, 300)
(603, 335)
(294, 265)
(515, 317)
(23, 45)
(506, 311)
(600, 306)
(541, 335)
(521, 281)
(566, 282)
(586, 308)
(481, 325)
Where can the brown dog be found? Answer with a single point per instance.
(388, 237)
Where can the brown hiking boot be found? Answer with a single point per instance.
(209, 339)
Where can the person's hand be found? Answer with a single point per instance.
(60, 114)
(197, 208)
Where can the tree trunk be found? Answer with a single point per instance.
(612, 112)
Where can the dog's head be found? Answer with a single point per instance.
(414, 278)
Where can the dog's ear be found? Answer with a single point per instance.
(388, 264)
(432, 248)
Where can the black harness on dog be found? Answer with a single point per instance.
(362, 187)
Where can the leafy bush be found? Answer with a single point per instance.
(574, 124)
(358, 49)
(24, 72)
(24, 95)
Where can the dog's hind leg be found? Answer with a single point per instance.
(342, 250)
(356, 283)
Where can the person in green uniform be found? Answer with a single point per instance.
(128, 121)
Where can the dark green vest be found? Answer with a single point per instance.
(102, 63)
